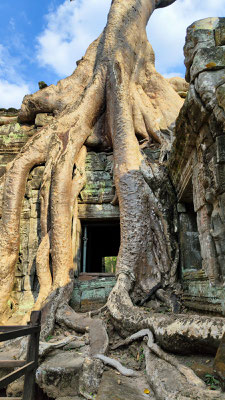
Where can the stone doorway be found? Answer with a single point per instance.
(190, 250)
(100, 246)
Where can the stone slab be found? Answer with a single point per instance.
(59, 374)
(199, 294)
(70, 398)
(89, 295)
(118, 387)
(98, 211)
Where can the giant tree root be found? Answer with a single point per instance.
(169, 384)
(187, 372)
(178, 333)
(97, 332)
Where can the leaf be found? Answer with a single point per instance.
(146, 391)
(211, 65)
(49, 338)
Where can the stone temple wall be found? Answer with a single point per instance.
(197, 167)
(94, 200)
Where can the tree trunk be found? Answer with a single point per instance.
(115, 100)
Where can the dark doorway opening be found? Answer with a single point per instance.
(190, 251)
(100, 246)
(189, 239)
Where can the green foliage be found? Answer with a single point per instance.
(42, 85)
(110, 264)
(212, 382)
(48, 338)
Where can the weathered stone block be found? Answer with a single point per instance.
(205, 140)
(220, 178)
(207, 84)
(152, 154)
(207, 246)
(215, 123)
(198, 189)
(96, 161)
(220, 33)
(199, 35)
(181, 208)
(92, 294)
(59, 375)
(203, 220)
(200, 294)
(197, 114)
(211, 268)
(207, 58)
(12, 137)
(93, 211)
(43, 119)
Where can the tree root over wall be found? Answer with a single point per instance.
(115, 100)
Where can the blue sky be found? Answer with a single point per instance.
(41, 40)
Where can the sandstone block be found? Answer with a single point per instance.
(209, 59)
(43, 119)
(95, 162)
(220, 177)
(58, 375)
(199, 35)
(181, 208)
(220, 33)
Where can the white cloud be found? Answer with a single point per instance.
(74, 25)
(12, 86)
(70, 29)
(11, 94)
(167, 29)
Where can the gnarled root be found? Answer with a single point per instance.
(163, 369)
(97, 332)
(43, 271)
(34, 153)
(168, 383)
(116, 364)
(176, 333)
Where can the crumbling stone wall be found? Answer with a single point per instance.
(94, 200)
(197, 163)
